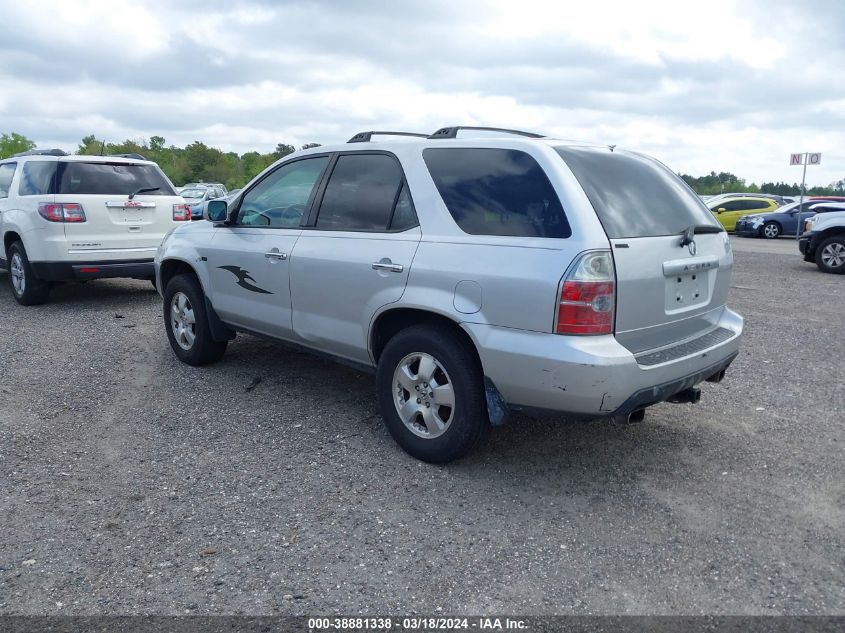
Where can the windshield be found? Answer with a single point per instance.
(193, 193)
(789, 207)
(634, 195)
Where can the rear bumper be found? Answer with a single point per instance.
(70, 271)
(592, 376)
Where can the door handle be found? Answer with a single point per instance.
(386, 264)
(275, 255)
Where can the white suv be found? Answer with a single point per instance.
(66, 218)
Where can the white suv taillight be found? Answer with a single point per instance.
(181, 213)
(587, 296)
(61, 212)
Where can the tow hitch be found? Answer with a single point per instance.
(691, 395)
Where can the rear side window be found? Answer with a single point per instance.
(635, 196)
(361, 194)
(119, 179)
(37, 178)
(7, 170)
(497, 192)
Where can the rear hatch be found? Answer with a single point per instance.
(673, 260)
(120, 217)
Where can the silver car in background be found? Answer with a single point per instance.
(474, 276)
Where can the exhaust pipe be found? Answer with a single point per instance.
(691, 395)
(636, 416)
(718, 376)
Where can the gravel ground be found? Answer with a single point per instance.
(130, 483)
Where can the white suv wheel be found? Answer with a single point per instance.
(16, 270)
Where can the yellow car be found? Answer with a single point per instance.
(729, 210)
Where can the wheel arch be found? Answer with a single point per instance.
(171, 267)
(830, 232)
(390, 322)
(10, 238)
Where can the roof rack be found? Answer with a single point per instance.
(452, 132)
(364, 137)
(42, 152)
(130, 155)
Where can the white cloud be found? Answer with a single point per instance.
(728, 86)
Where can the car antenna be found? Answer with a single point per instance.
(611, 147)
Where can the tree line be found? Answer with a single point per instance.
(197, 162)
(714, 183)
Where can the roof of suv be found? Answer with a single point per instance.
(78, 158)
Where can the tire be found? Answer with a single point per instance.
(426, 358)
(27, 289)
(830, 255)
(186, 323)
(771, 230)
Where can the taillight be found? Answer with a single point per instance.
(181, 212)
(61, 212)
(587, 297)
(73, 212)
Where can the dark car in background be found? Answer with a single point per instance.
(784, 221)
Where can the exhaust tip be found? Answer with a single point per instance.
(636, 416)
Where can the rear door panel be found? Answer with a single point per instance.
(115, 223)
(665, 293)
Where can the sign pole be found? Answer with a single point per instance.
(811, 158)
(799, 228)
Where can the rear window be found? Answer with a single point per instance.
(37, 178)
(497, 192)
(111, 179)
(633, 195)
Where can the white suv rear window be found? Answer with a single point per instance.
(111, 179)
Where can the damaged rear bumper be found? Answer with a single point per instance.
(592, 376)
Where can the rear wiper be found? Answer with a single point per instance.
(689, 233)
(144, 190)
(707, 228)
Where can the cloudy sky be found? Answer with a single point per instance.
(716, 85)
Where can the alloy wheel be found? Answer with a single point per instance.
(18, 274)
(423, 395)
(833, 255)
(771, 230)
(183, 320)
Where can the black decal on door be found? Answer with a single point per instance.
(244, 278)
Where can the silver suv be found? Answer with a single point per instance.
(474, 276)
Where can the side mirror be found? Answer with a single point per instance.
(216, 211)
(720, 210)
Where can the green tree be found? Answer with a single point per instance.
(14, 143)
(156, 143)
(196, 161)
(282, 150)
